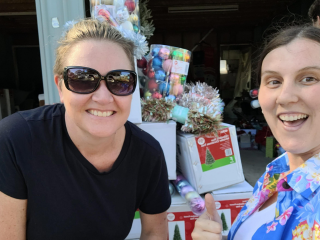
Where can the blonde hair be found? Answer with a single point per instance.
(88, 29)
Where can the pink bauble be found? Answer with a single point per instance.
(152, 85)
(174, 78)
(142, 63)
(164, 53)
(197, 205)
(167, 65)
(156, 95)
(177, 89)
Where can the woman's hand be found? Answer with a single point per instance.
(209, 224)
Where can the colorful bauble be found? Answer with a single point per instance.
(157, 62)
(191, 195)
(185, 190)
(164, 53)
(197, 205)
(177, 89)
(160, 75)
(135, 28)
(186, 57)
(171, 188)
(177, 55)
(153, 85)
(183, 79)
(174, 78)
(151, 73)
(130, 4)
(155, 52)
(147, 94)
(144, 71)
(171, 97)
(142, 63)
(164, 88)
(181, 184)
(156, 95)
(134, 18)
(167, 65)
(127, 25)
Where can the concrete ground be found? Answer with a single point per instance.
(254, 164)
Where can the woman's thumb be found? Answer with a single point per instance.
(212, 212)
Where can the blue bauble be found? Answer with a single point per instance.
(157, 62)
(155, 51)
(164, 88)
(171, 97)
(160, 75)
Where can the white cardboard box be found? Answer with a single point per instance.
(178, 214)
(230, 201)
(165, 134)
(135, 111)
(208, 162)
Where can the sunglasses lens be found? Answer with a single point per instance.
(82, 80)
(121, 83)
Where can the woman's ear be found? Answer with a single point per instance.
(58, 82)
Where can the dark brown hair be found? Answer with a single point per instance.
(284, 37)
(314, 10)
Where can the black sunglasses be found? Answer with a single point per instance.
(86, 80)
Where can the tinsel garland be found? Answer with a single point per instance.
(198, 123)
(147, 28)
(156, 110)
(205, 108)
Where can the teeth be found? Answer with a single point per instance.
(101, 114)
(292, 117)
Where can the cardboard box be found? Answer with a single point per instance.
(135, 111)
(209, 162)
(165, 134)
(178, 214)
(229, 202)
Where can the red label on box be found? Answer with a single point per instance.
(215, 152)
(228, 211)
(181, 223)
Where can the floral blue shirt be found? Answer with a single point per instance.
(297, 214)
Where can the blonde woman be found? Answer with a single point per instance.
(80, 170)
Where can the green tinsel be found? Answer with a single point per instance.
(198, 123)
(156, 110)
(147, 27)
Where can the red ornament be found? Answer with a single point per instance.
(152, 85)
(144, 71)
(151, 73)
(156, 95)
(142, 63)
(130, 5)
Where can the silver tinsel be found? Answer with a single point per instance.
(202, 98)
(141, 45)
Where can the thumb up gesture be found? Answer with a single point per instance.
(209, 224)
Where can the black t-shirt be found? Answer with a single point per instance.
(68, 198)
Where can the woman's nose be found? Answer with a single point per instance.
(102, 94)
(288, 93)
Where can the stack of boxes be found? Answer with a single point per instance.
(211, 164)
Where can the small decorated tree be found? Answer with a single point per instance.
(177, 235)
(209, 158)
(224, 222)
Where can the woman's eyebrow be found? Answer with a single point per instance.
(309, 68)
(269, 72)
